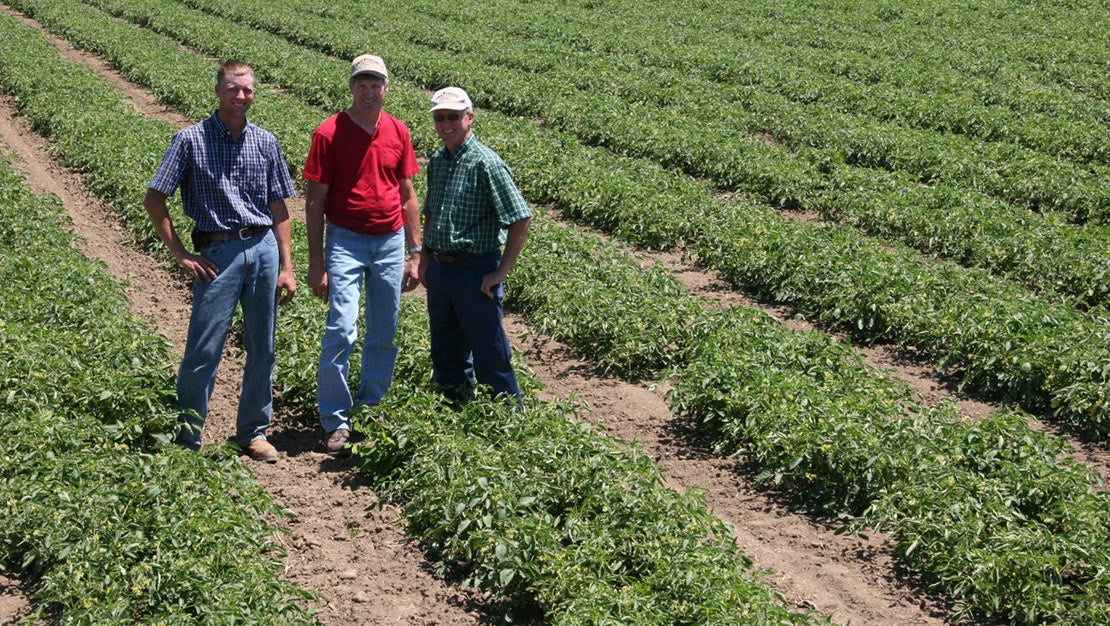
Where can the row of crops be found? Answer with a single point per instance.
(1013, 364)
(984, 511)
(705, 125)
(953, 218)
(842, 58)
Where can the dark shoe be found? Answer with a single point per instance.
(261, 450)
(335, 443)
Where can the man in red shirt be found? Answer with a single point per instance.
(359, 171)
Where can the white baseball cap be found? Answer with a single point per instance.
(451, 99)
(369, 64)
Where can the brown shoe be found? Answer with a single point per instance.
(335, 443)
(261, 450)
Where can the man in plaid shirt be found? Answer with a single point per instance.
(473, 207)
(234, 182)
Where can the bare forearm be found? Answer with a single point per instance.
(200, 267)
(314, 222)
(514, 243)
(155, 205)
(283, 233)
(410, 213)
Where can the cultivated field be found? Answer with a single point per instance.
(813, 324)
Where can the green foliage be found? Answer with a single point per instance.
(110, 534)
(891, 297)
(589, 297)
(837, 274)
(1026, 522)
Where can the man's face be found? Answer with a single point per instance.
(453, 127)
(368, 92)
(235, 94)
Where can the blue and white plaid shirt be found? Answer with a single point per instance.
(225, 184)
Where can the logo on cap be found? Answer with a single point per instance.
(451, 98)
(369, 64)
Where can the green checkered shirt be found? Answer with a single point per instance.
(471, 200)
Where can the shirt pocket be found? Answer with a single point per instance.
(249, 173)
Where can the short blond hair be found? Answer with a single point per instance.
(233, 68)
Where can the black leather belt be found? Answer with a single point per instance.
(452, 257)
(202, 238)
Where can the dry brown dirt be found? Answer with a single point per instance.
(359, 557)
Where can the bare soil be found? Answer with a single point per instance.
(358, 556)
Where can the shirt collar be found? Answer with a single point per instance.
(462, 149)
(223, 131)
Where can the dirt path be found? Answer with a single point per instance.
(362, 560)
(13, 602)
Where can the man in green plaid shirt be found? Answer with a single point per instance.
(473, 207)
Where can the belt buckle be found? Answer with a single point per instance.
(243, 234)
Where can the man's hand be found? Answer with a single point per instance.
(201, 268)
(422, 267)
(413, 275)
(491, 280)
(318, 281)
(286, 283)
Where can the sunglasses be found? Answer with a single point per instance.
(450, 117)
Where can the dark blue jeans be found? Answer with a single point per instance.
(468, 340)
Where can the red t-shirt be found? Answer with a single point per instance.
(363, 171)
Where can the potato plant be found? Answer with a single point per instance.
(581, 293)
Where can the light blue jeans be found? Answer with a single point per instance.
(248, 277)
(354, 260)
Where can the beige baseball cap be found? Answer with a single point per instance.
(369, 64)
(451, 99)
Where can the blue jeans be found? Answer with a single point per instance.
(468, 340)
(248, 277)
(353, 260)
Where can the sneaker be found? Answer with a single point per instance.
(261, 450)
(335, 443)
